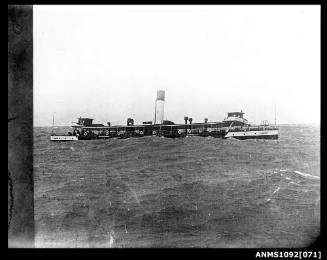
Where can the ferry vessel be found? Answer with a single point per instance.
(233, 126)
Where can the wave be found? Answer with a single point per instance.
(307, 175)
(295, 183)
(176, 192)
(233, 139)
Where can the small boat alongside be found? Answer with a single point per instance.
(63, 137)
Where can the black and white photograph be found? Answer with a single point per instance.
(166, 126)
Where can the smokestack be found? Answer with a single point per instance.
(160, 104)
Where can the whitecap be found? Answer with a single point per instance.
(234, 139)
(287, 178)
(307, 175)
(295, 183)
(126, 230)
(278, 188)
(111, 239)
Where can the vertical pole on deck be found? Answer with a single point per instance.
(52, 123)
(275, 115)
(155, 112)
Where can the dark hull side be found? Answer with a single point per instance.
(218, 129)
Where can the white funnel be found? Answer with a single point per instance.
(160, 105)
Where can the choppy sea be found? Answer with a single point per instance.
(187, 192)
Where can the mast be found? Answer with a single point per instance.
(155, 112)
(52, 122)
(275, 114)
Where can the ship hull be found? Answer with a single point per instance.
(243, 135)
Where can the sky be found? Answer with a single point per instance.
(107, 63)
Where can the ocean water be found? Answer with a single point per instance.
(188, 192)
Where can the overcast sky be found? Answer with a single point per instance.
(107, 62)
